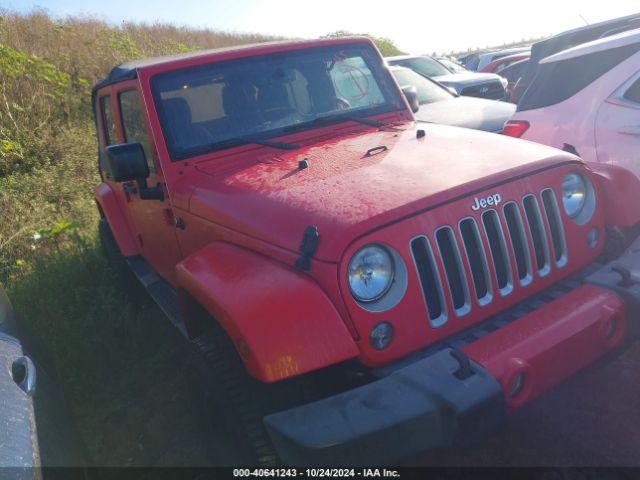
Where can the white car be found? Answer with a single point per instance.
(587, 100)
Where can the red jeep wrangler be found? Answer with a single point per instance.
(388, 288)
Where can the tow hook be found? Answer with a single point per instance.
(465, 370)
(627, 279)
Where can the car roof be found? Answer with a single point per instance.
(129, 70)
(398, 68)
(404, 57)
(506, 51)
(618, 40)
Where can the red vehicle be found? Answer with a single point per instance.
(356, 288)
(503, 62)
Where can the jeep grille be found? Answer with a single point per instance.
(522, 241)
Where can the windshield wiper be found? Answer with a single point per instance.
(337, 117)
(258, 141)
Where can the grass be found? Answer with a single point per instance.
(117, 356)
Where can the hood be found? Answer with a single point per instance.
(347, 192)
(468, 112)
(467, 78)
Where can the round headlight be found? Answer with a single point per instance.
(370, 273)
(574, 194)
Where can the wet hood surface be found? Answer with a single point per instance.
(477, 113)
(346, 192)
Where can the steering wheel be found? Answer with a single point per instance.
(342, 103)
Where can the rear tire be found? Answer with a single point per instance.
(116, 262)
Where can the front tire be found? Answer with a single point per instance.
(227, 402)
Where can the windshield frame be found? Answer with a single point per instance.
(394, 101)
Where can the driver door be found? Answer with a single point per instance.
(153, 220)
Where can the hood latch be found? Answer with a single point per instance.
(308, 247)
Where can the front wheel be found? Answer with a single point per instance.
(231, 404)
(228, 403)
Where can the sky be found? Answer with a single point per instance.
(415, 26)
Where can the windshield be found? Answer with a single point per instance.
(423, 65)
(453, 66)
(208, 107)
(428, 91)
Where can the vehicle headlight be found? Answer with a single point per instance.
(574, 194)
(370, 273)
(578, 197)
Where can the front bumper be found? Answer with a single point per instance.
(462, 391)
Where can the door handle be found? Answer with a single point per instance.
(630, 130)
(129, 189)
(23, 372)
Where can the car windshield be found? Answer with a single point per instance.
(423, 65)
(428, 90)
(224, 104)
(453, 66)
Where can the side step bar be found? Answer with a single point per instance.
(159, 290)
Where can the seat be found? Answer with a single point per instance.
(240, 107)
(184, 133)
(274, 102)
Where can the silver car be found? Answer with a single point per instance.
(471, 84)
(438, 104)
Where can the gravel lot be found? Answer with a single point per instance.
(592, 419)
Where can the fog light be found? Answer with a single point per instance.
(381, 335)
(592, 237)
(517, 384)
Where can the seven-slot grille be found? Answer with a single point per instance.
(515, 230)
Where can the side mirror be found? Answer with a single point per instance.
(411, 94)
(127, 162)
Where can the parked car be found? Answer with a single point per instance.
(587, 99)
(35, 430)
(451, 64)
(568, 39)
(503, 62)
(356, 287)
(485, 59)
(472, 84)
(438, 105)
(512, 74)
(470, 60)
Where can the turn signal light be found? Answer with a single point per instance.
(515, 128)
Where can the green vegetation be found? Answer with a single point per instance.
(387, 47)
(119, 359)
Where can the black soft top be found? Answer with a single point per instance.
(129, 70)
